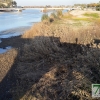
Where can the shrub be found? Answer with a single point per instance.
(51, 19)
(45, 17)
(54, 15)
(98, 7)
(59, 13)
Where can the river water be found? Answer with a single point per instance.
(15, 23)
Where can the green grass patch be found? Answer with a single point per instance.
(67, 16)
(94, 15)
(81, 19)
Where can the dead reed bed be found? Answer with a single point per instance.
(60, 63)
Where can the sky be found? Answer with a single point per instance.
(52, 2)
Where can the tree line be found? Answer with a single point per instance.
(91, 5)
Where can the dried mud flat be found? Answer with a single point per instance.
(13, 32)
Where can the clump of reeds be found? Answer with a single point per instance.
(59, 13)
(45, 17)
(54, 16)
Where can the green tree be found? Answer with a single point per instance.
(98, 7)
(14, 3)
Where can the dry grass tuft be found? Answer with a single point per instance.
(36, 30)
(6, 61)
(58, 62)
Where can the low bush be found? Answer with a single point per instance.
(59, 13)
(98, 7)
(54, 15)
(45, 17)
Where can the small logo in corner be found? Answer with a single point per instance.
(95, 90)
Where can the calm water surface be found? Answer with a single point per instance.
(14, 23)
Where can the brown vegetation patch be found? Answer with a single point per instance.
(56, 62)
(6, 61)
